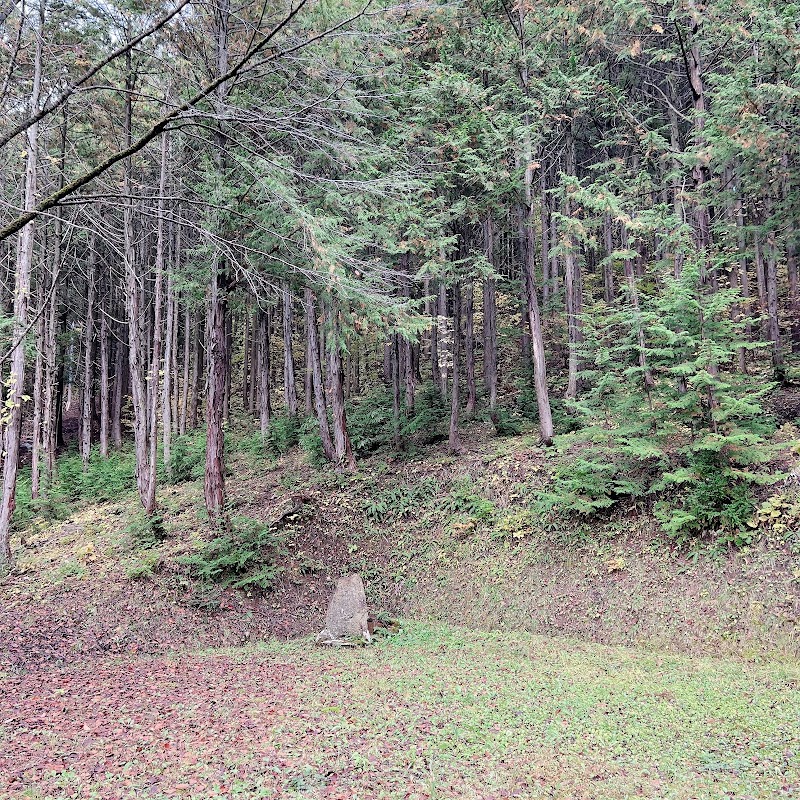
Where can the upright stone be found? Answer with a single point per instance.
(347, 612)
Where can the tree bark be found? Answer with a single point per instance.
(214, 481)
(264, 378)
(469, 347)
(88, 358)
(318, 383)
(289, 385)
(341, 438)
(22, 287)
(454, 439)
(105, 388)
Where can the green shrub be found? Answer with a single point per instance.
(465, 498)
(429, 422)
(283, 434)
(187, 458)
(311, 442)
(664, 417)
(370, 422)
(105, 479)
(505, 423)
(398, 502)
(144, 531)
(710, 498)
(244, 558)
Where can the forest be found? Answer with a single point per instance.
(291, 289)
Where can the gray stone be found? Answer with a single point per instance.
(346, 619)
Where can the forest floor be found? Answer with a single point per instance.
(429, 712)
(561, 661)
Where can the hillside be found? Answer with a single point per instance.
(435, 537)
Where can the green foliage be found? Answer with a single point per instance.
(145, 532)
(311, 442)
(428, 423)
(465, 498)
(664, 417)
(283, 434)
(105, 480)
(565, 419)
(400, 502)
(370, 422)
(143, 566)
(505, 423)
(187, 457)
(243, 558)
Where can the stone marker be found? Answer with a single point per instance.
(346, 620)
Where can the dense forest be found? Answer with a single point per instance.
(399, 399)
(331, 216)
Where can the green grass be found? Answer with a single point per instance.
(431, 712)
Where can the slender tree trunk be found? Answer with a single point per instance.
(442, 339)
(50, 412)
(105, 388)
(529, 268)
(264, 379)
(773, 325)
(197, 369)
(490, 340)
(318, 383)
(341, 438)
(155, 362)
(22, 287)
(469, 346)
(187, 344)
(396, 369)
(454, 439)
(289, 385)
(120, 362)
(308, 376)
(38, 389)
(13, 427)
(166, 399)
(545, 237)
(608, 261)
(88, 359)
(572, 285)
(214, 483)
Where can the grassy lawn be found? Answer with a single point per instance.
(426, 713)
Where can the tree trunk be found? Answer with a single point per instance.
(38, 389)
(442, 339)
(105, 388)
(318, 383)
(396, 368)
(289, 386)
(773, 325)
(22, 286)
(214, 482)
(608, 261)
(187, 344)
(469, 347)
(454, 439)
(490, 340)
(120, 359)
(572, 284)
(88, 355)
(197, 369)
(264, 379)
(341, 438)
(155, 362)
(166, 398)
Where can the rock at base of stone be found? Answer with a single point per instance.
(326, 639)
